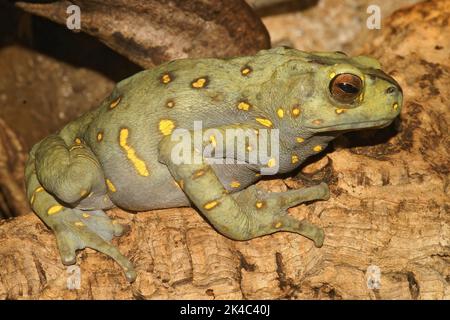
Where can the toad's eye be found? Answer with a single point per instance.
(345, 87)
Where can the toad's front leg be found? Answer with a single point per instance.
(269, 210)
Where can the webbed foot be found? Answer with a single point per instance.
(269, 210)
(77, 229)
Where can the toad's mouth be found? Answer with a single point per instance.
(375, 124)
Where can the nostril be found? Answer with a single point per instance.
(391, 90)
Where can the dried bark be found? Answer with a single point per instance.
(389, 208)
(344, 31)
(151, 32)
(12, 164)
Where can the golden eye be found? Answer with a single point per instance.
(345, 87)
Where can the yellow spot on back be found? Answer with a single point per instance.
(86, 215)
(280, 113)
(181, 184)
(295, 112)
(395, 106)
(264, 122)
(213, 140)
(246, 70)
(110, 185)
(77, 140)
(339, 111)
(198, 173)
(332, 75)
(259, 204)
(272, 162)
(170, 104)
(115, 103)
(317, 148)
(54, 209)
(244, 106)
(79, 224)
(278, 225)
(199, 83)
(317, 121)
(299, 139)
(99, 136)
(235, 184)
(33, 196)
(139, 164)
(210, 205)
(294, 158)
(165, 78)
(83, 193)
(166, 126)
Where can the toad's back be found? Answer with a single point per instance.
(128, 126)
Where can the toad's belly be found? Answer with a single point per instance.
(131, 187)
(131, 191)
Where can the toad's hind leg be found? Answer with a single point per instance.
(58, 177)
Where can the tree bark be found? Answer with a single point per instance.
(12, 166)
(389, 209)
(152, 32)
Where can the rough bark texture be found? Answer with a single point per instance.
(389, 208)
(326, 25)
(12, 165)
(151, 32)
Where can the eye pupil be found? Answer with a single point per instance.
(346, 87)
